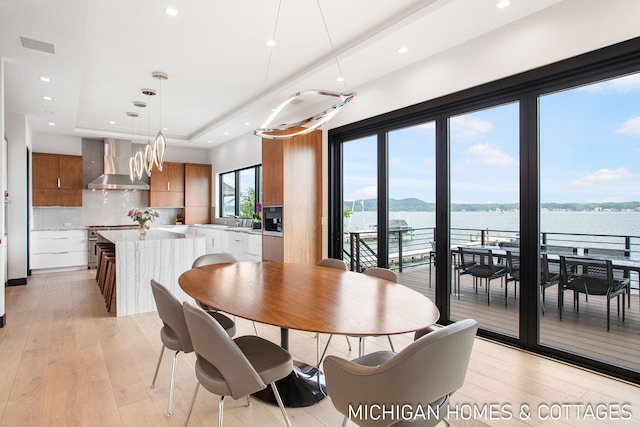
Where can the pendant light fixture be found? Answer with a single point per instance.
(149, 156)
(160, 143)
(135, 162)
(289, 130)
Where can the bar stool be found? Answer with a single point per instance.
(101, 246)
(102, 270)
(110, 281)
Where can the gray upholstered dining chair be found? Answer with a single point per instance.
(332, 263)
(233, 367)
(382, 273)
(215, 258)
(385, 378)
(174, 334)
(338, 264)
(386, 274)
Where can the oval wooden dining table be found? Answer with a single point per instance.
(309, 298)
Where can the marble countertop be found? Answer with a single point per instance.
(115, 236)
(229, 228)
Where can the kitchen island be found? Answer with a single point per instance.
(160, 255)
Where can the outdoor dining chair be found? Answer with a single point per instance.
(479, 264)
(591, 277)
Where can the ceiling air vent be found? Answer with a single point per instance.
(37, 45)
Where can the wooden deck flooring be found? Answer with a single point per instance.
(584, 332)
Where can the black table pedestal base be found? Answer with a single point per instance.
(304, 386)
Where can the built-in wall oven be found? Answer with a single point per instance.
(92, 232)
(272, 221)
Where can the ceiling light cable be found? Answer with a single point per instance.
(289, 130)
(333, 51)
(273, 39)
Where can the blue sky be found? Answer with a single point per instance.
(589, 151)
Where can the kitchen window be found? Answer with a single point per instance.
(240, 191)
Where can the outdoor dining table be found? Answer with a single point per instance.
(625, 264)
(309, 298)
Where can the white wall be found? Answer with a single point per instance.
(3, 247)
(241, 152)
(186, 155)
(19, 136)
(57, 144)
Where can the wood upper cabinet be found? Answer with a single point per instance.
(167, 186)
(272, 172)
(57, 180)
(197, 193)
(292, 178)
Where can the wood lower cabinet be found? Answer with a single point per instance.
(197, 193)
(167, 186)
(292, 178)
(57, 180)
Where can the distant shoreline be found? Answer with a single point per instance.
(417, 205)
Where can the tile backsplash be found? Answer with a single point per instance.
(100, 207)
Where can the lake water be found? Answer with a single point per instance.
(610, 223)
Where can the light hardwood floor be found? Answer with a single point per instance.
(66, 362)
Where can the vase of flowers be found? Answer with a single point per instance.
(142, 217)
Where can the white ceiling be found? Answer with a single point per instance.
(216, 56)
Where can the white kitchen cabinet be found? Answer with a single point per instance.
(244, 246)
(59, 249)
(213, 239)
(254, 246)
(234, 243)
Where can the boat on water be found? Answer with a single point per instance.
(397, 227)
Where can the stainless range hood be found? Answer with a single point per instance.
(116, 168)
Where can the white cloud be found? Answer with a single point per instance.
(490, 155)
(603, 176)
(622, 84)
(467, 128)
(630, 127)
(429, 126)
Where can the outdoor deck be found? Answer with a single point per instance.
(584, 332)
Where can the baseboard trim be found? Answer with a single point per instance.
(17, 282)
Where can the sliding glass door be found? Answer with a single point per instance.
(538, 168)
(590, 207)
(485, 216)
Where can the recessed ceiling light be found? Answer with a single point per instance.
(340, 79)
(209, 141)
(45, 79)
(47, 98)
(112, 122)
(503, 3)
(403, 50)
(226, 133)
(170, 11)
(247, 123)
(271, 43)
(165, 129)
(51, 124)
